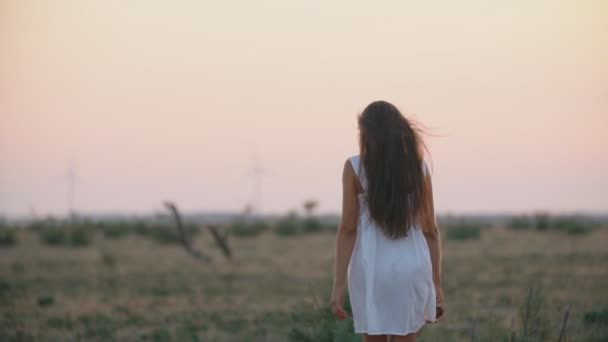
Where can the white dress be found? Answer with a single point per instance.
(390, 282)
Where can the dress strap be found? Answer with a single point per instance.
(425, 170)
(355, 161)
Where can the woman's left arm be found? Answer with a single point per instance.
(345, 239)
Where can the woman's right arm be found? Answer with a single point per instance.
(433, 237)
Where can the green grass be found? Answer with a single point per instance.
(507, 285)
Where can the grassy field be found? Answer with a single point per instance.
(502, 285)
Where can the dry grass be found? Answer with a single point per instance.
(136, 289)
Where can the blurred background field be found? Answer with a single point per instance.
(109, 107)
(523, 278)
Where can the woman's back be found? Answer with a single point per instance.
(388, 250)
(389, 279)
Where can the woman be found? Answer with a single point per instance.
(388, 243)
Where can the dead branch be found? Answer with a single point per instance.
(562, 332)
(184, 235)
(512, 328)
(221, 240)
(473, 326)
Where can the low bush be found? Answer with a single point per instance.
(76, 237)
(80, 237)
(463, 231)
(46, 301)
(542, 221)
(288, 226)
(573, 225)
(140, 228)
(7, 237)
(164, 235)
(569, 224)
(52, 236)
(5, 291)
(115, 230)
(243, 229)
(599, 317)
(521, 222)
(311, 225)
(43, 224)
(292, 225)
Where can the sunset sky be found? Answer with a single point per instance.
(154, 100)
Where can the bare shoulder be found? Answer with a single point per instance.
(348, 170)
(349, 177)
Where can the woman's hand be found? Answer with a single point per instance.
(337, 304)
(439, 300)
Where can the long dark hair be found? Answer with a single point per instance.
(392, 150)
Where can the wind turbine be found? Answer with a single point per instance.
(71, 188)
(257, 174)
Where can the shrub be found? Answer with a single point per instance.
(312, 225)
(115, 230)
(244, 229)
(5, 291)
(572, 225)
(288, 226)
(521, 222)
(140, 228)
(596, 317)
(45, 301)
(75, 237)
(164, 235)
(542, 221)
(80, 237)
(578, 230)
(463, 231)
(7, 237)
(52, 236)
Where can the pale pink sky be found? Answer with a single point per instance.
(154, 100)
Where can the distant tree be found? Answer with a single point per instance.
(310, 206)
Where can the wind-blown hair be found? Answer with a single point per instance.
(392, 152)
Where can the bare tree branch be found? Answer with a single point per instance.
(562, 333)
(184, 235)
(221, 240)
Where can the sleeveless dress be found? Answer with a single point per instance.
(390, 282)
